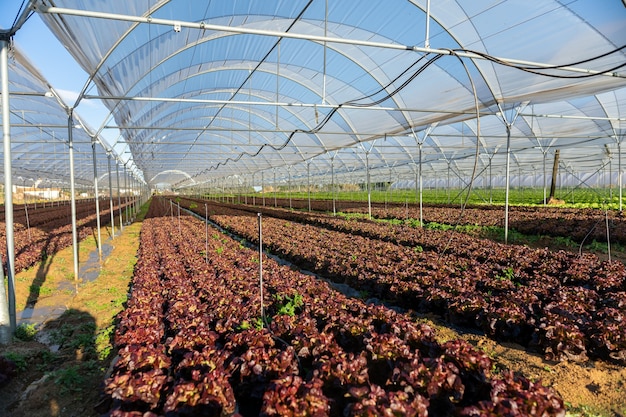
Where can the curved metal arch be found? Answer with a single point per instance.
(297, 80)
(458, 42)
(356, 62)
(241, 139)
(321, 142)
(258, 114)
(290, 111)
(90, 79)
(222, 35)
(172, 171)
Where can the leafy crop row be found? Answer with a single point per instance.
(50, 231)
(565, 306)
(580, 225)
(192, 341)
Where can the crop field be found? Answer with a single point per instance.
(564, 305)
(329, 320)
(204, 333)
(573, 197)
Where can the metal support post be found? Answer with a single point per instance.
(70, 137)
(308, 182)
(119, 196)
(95, 187)
(507, 183)
(7, 305)
(332, 183)
(111, 198)
(421, 189)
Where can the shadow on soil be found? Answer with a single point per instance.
(63, 365)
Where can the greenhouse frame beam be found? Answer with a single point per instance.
(111, 197)
(508, 124)
(70, 136)
(97, 197)
(44, 9)
(565, 116)
(41, 126)
(7, 305)
(31, 94)
(282, 104)
(119, 196)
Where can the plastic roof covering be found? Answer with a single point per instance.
(39, 134)
(197, 104)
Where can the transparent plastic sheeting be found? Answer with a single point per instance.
(210, 89)
(39, 134)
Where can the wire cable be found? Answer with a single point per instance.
(476, 153)
(453, 52)
(537, 70)
(326, 119)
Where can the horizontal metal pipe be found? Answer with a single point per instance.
(291, 35)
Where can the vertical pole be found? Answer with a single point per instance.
(421, 190)
(490, 180)
(369, 187)
(555, 170)
(137, 195)
(5, 319)
(427, 37)
(332, 183)
(448, 184)
(119, 196)
(324, 64)
(70, 136)
(7, 305)
(95, 187)
(610, 178)
(261, 265)
(26, 211)
(308, 182)
(263, 186)
(126, 194)
(545, 179)
(619, 171)
(206, 233)
(275, 187)
(111, 198)
(289, 186)
(507, 179)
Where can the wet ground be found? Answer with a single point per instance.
(89, 271)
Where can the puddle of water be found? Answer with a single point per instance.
(40, 314)
(89, 271)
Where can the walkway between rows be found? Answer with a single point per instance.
(89, 270)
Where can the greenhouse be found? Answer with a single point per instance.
(407, 158)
